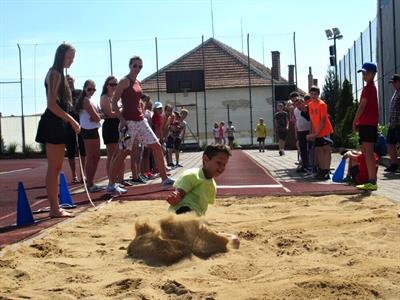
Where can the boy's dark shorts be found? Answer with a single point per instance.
(231, 138)
(173, 143)
(90, 134)
(367, 134)
(183, 210)
(393, 135)
(281, 134)
(261, 139)
(323, 141)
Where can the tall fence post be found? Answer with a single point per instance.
(158, 74)
(251, 105)
(355, 69)
(394, 36)
(111, 61)
(22, 99)
(205, 93)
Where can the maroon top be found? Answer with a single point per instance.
(132, 110)
(370, 115)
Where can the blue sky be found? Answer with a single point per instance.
(39, 26)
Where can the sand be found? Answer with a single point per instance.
(331, 247)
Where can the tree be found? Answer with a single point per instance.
(330, 94)
(345, 112)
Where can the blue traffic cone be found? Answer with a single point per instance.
(339, 172)
(24, 212)
(65, 198)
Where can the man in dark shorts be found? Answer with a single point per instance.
(366, 123)
(71, 143)
(393, 135)
(281, 122)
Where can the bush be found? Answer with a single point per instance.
(42, 148)
(352, 140)
(2, 147)
(12, 148)
(29, 149)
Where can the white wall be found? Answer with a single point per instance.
(217, 101)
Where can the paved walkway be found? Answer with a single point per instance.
(283, 168)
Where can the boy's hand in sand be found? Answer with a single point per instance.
(175, 197)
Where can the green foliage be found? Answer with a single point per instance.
(2, 147)
(383, 129)
(29, 149)
(344, 113)
(42, 148)
(330, 94)
(12, 148)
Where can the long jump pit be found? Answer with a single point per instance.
(310, 246)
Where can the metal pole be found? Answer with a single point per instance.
(334, 49)
(205, 93)
(22, 99)
(344, 67)
(212, 18)
(273, 107)
(382, 67)
(251, 105)
(229, 117)
(394, 38)
(355, 68)
(158, 74)
(111, 61)
(340, 74)
(370, 41)
(349, 65)
(241, 33)
(362, 48)
(197, 118)
(295, 56)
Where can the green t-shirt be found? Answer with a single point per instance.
(199, 191)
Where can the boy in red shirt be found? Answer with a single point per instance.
(357, 171)
(366, 123)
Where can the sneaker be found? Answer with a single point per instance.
(178, 165)
(392, 168)
(115, 190)
(301, 170)
(138, 181)
(367, 186)
(144, 178)
(75, 180)
(126, 183)
(95, 188)
(347, 180)
(280, 152)
(168, 182)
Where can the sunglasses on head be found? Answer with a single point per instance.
(137, 66)
(113, 84)
(91, 89)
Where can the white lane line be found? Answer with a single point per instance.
(13, 171)
(270, 186)
(266, 171)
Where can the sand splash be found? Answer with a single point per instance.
(175, 238)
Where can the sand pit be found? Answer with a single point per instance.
(332, 247)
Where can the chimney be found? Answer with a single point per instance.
(291, 74)
(315, 81)
(276, 65)
(310, 78)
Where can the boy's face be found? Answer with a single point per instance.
(215, 166)
(368, 76)
(314, 95)
(261, 121)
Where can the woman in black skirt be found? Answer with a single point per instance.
(110, 130)
(52, 130)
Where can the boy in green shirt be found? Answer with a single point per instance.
(196, 188)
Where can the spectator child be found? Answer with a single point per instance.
(261, 133)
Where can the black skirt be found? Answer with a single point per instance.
(110, 131)
(52, 129)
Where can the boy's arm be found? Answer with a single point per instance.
(175, 197)
(360, 111)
